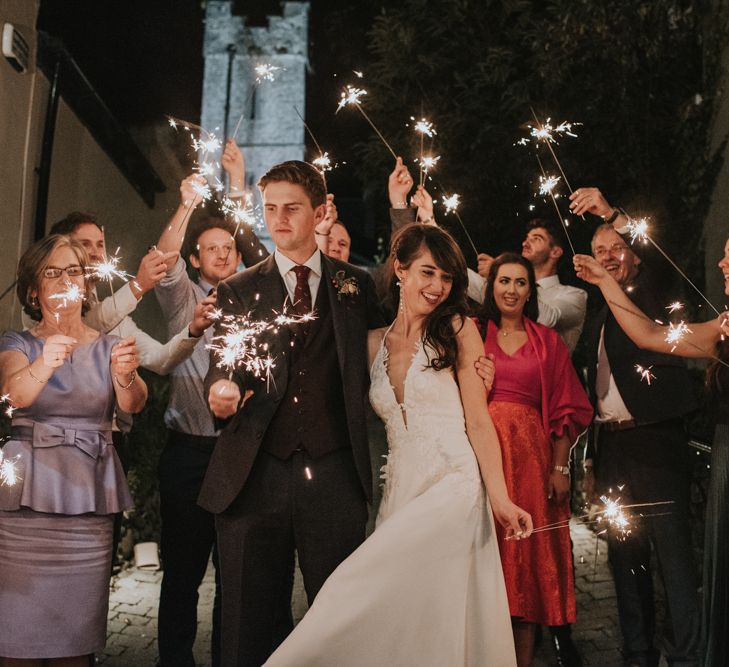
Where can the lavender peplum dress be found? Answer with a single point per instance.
(56, 522)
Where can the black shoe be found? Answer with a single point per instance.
(567, 653)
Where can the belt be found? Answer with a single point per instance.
(618, 426)
(91, 442)
(203, 442)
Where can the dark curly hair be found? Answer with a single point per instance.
(490, 311)
(439, 332)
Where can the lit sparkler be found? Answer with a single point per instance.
(545, 131)
(676, 333)
(645, 373)
(424, 127)
(72, 294)
(8, 471)
(451, 203)
(108, 269)
(673, 307)
(266, 72)
(323, 163)
(638, 229)
(544, 181)
(547, 184)
(352, 96)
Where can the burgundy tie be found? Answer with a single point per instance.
(302, 295)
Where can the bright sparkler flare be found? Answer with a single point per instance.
(547, 184)
(673, 307)
(202, 190)
(676, 333)
(8, 471)
(210, 144)
(323, 162)
(424, 127)
(546, 132)
(265, 72)
(638, 229)
(238, 346)
(241, 211)
(72, 294)
(172, 122)
(451, 203)
(350, 95)
(428, 162)
(108, 269)
(614, 515)
(645, 373)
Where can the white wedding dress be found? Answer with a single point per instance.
(426, 588)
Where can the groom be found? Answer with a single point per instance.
(291, 470)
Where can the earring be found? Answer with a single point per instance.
(401, 307)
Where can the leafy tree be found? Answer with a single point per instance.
(641, 76)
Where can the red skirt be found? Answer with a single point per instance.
(538, 571)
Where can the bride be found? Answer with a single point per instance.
(426, 588)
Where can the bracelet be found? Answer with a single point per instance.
(126, 386)
(30, 372)
(400, 204)
(321, 233)
(617, 211)
(427, 220)
(565, 470)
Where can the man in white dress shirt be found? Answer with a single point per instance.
(561, 307)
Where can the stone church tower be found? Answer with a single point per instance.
(270, 130)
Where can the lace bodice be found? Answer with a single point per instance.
(429, 440)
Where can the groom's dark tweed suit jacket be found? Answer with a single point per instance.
(260, 291)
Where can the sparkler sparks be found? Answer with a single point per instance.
(241, 211)
(425, 127)
(239, 346)
(546, 132)
(673, 307)
(8, 471)
(645, 373)
(350, 95)
(676, 333)
(72, 294)
(323, 162)
(428, 162)
(266, 72)
(547, 184)
(108, 269)
(638, 229)
(451, 203)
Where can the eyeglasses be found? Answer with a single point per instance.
(615, 249)
(73, 271)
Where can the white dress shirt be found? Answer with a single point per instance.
(610, 406)
(285, 268)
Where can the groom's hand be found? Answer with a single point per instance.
(486, 370)
(224, 398)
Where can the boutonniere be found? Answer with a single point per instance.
(345, 286)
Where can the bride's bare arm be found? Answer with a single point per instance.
(482, 434)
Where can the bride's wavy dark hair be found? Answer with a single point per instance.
(439, 333)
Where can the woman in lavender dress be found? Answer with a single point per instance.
(63, 379)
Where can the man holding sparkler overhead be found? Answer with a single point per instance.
(640, 445)
(188, 531)
(292, 469)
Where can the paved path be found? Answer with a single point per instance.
(134, 596)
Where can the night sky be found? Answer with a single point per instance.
(145, 60)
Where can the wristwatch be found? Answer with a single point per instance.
(565, 470)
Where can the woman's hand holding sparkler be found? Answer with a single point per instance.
(57, 349)
(125, 359)
(235, 166)
(516, 521)
(589, 269)
(399, 185)
(225, 400)
(203, 316)
(424, 203)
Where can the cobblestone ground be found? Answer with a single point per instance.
(134, 596)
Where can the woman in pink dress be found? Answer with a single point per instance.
(539, 408)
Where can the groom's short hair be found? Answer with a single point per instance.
(298, 173)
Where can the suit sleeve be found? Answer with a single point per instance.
(375, 318)
(251, 248)
(401, 217)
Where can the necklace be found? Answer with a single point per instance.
(506, 332)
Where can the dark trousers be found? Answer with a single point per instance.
(121, 444)
(652, 464)
(188, 536)
(315, 507)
